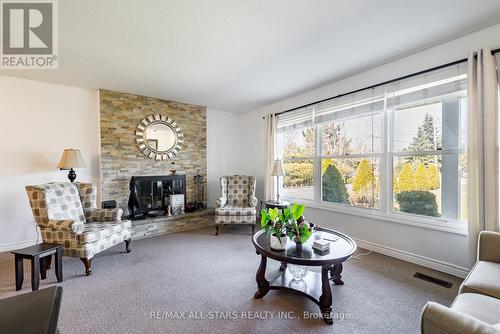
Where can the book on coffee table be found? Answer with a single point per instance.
(321, 245)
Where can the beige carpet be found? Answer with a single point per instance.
(214, 278)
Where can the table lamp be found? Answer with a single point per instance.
(71, 158)
(278, 171)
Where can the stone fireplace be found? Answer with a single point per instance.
(121, 159)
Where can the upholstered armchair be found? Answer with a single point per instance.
(476, 310)
(67, 214)
(237, 202)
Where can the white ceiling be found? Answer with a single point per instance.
(238, 55)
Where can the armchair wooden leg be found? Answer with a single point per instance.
(216, 229)
(88, 265)
(127, 245)
(253, 228)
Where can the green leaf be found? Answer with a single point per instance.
(305, 235)
(287, 213)
(297, 210)
(273, 213)
(290, 234)
(263, 219)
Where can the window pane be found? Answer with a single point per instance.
(439, 125)
(353, 181)
(418, 128)
(298, 179)
(431, 185)
(297, 143)
(353, 136)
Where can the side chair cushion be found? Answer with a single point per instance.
(96, 231)
(481, 307)
(484, 278)
(234, 211)
(63, 202)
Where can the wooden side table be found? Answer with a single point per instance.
(40, 257)
(272, 204)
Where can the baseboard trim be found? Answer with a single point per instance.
(423, 261)
(16, 245)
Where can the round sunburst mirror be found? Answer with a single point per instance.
(159, 137)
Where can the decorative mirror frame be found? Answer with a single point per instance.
(140, 137)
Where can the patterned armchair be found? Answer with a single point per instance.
(237, 203)
(67, 214)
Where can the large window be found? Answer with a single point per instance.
(298, 163)
(396, 150)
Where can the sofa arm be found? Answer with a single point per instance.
(66, 225)
(489, 247)
(103, 215)
(221, 201)
(439, 319)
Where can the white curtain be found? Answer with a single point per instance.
(269, 186)
(483, 147)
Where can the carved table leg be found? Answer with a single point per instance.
(216, 229)
(262, 283)
(325, 300)
(336, 274)
(283, 266)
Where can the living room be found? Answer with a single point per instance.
(182, 161)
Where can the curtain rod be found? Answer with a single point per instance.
(382, 83)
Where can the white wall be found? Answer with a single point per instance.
(38, 121)
(222, 143)
(441, 250)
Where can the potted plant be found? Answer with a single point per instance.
(297, 228)
(272, 222)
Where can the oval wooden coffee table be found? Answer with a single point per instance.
(316, 286)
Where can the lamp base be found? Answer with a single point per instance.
(278, 201)
(71, 175)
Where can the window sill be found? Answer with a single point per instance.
(450, 226)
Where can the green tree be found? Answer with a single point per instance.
(418, 202)
(334, 189)
(427, 139)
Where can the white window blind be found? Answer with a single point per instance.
(442, 82)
